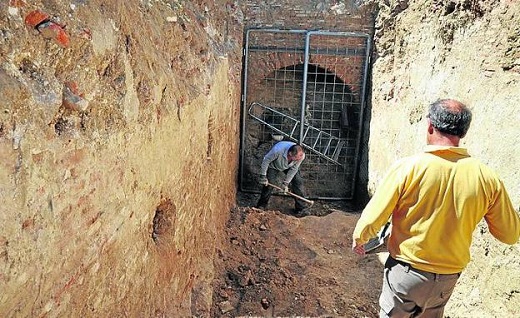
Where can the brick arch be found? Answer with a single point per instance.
(260, 68)
(323, 87)
(349, 73)
(321, 75)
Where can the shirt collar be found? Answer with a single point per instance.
(285, 152)
(458, 150)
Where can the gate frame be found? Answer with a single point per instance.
(306, 52)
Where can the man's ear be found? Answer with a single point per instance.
(430, 127)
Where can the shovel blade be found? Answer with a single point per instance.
(379, 240)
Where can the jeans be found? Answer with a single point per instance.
(296, 187)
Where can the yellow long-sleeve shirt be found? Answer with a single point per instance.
(436, 199)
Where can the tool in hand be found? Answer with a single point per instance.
(291, 194)
(379, 240)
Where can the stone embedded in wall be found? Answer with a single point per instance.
(36, 17)
(48, 28)
(55, 31)
(72, 98)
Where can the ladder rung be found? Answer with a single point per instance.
(328, 146)
(337, 150)
(317, 139)
(320, 134)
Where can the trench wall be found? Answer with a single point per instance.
(118, 156)
(425, 50)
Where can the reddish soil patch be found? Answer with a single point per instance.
(275, 264)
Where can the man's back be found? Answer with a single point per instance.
(435, 199)
(443, 195)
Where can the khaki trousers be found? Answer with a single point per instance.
(409, 292)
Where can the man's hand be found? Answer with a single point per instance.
(359, 249)
(285, 187)
(263, 180)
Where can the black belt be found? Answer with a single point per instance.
(391, 262)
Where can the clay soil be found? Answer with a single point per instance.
(275, 264)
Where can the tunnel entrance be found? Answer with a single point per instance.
(307, 87)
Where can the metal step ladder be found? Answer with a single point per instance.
(319, 142)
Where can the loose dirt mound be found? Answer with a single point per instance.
(278, 265)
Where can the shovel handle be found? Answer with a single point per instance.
(291, 194)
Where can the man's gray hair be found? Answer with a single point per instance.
(294, 149)
(450, 117)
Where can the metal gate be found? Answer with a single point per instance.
(307, 87)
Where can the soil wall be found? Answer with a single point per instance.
(470, 51)
(118, 148)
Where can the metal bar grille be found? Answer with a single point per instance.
(305, 86)
(320, 145)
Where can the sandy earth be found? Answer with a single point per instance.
(278, 265)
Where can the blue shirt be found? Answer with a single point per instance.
(276, 159)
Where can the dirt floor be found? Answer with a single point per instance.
(278, 265)
(275, 264)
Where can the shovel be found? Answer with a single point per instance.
(291, 194)
(379, 240)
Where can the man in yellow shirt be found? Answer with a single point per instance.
(435, 200)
